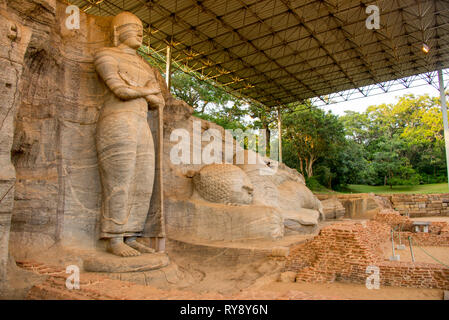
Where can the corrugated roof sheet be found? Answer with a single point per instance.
(281, 51)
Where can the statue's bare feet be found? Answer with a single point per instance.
(119, 248)
(132, 242)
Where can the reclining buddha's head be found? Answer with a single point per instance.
(128, 30)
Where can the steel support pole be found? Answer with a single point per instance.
(280, 134)
(392, 242)
(445, 121)
(168, 68)
(411, 248)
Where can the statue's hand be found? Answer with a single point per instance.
(146, 91)
(131, 92)
(155, 101)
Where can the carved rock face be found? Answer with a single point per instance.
(224, 183)
(127, 29)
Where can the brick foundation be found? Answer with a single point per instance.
(343, 251)
(421, 205)
(438, 234)
(424, 239)
(416, 205)
(96, 287)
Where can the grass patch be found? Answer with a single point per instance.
(313, 184)
(423, 188)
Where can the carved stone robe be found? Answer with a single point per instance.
(125, 146)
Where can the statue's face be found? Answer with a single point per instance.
(242, 191)
(131, 35)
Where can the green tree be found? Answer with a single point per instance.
(264, 118)
(311, 133)
(402, 141)
(199, 94)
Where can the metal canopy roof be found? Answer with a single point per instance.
(282, 51)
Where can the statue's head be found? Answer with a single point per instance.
(127, 29)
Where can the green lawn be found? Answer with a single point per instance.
(424, 188)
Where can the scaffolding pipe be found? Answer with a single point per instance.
(445, 121)
(168, 68)
(392, 242)
(411, 249)
(280, 133)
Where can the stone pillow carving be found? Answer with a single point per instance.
(223, 183)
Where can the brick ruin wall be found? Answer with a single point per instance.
(342, 252)
(438, 234)
(100, 287)
(416, 205)
(420, 205)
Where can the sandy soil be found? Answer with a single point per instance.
(261, 275)
(357, 291)
(440, 253)
(432, 219)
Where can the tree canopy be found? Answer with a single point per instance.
(388, 144)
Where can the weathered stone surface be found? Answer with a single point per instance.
(415, 205)
(14, 39)
(215, 222)
(287, 276)
(103, 262)
(420, 205)
(301, 221)
(58, 193)
(124, 143)
(255, 167)
(279, 197)
(5, 223)
(358, 206)
(277, 188)
(333, 209)
(296, 195)
(280, 251)
(57, 196)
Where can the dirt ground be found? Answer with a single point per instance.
(440, 253)
(260, 280)
(357, 291)
(432, 219)
(260, 276)
(422, 254)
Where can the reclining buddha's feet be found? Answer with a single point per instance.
(132, 242)
(119, 248)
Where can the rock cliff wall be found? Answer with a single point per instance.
(14, 39)
(50, 100)
(57, 192)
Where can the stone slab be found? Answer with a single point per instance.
(396, 257)
(230, 253)
(218, 222)
(421, 223)
(105, 262)
(157, 277)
